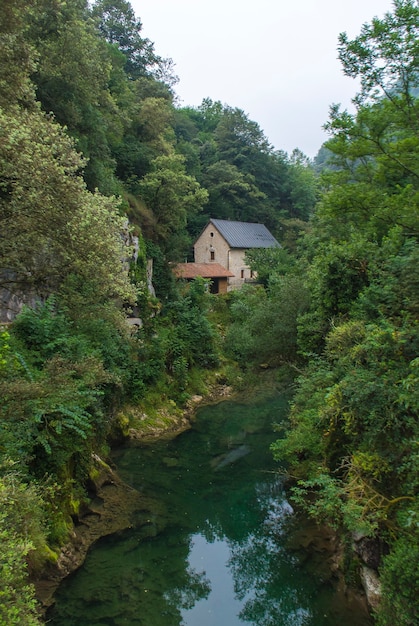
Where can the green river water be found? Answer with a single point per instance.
(221, 546)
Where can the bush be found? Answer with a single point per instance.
(21, 531)
(400, 579)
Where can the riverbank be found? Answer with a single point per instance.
(113, 504)
(110, 510)
(223, 511)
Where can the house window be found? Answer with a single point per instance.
(242, 273)
(212, 255)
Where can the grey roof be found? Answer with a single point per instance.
(245, 234)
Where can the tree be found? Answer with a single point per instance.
(384, 56)
(72, 78)
(118, 25)
(20, 532)
(173, 197)
(301, 186)
(233, 194)
(17, 55)
(379, 144)
(55, 227)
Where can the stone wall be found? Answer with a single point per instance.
(211, 246)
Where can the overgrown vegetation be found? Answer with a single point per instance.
(100, 171)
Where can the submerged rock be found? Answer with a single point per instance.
(229, 457)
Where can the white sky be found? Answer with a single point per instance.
(275, 60)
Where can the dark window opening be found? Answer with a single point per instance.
(214, 286)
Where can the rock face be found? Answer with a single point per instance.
(372, 586)
(370, 551)
(11, 302)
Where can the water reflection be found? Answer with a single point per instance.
(214, 551)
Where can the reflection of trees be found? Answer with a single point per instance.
(127, 582)
(260, 564)
(265, 611)
(197, 587)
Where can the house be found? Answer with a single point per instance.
(224, 243)
(216, 273)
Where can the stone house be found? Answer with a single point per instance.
(225, 243)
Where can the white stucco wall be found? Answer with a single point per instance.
(239, 268)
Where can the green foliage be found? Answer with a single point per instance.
(192, 341)
(56, 228)
(148, 367)
(245, 178)
(17, 55)
(17, 597)
(172, 195)
(118, 25)
(385, 54)
(342, 302)
(268, 261)
(400, 575)
(351, 441)
(264, 320)
(60, 375)
(233, 194)
(21, 531)
(87, 105)
(163, 280)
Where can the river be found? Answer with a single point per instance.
(218, 546)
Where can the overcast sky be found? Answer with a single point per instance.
(274, 59)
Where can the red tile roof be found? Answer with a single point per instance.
(205, 270)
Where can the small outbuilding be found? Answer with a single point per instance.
(216, 273)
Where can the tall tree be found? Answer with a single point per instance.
(16, 54)
(120, 27)
(173, 196)
(54, 226)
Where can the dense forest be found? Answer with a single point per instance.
(102, 171)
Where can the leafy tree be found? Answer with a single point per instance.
(264, 323)
(267, 262)
(72, 78)
(399, 570)
(378, 145)
(301, 186)
(240, 141)
(16, 54)
(20, 532)
(384, 57)
(172, 195)
(192, 341)
(232, 194)
(55, 227)
(119, 26)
